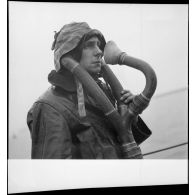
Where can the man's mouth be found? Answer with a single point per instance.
(97, 62)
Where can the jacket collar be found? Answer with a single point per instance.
(64, 79)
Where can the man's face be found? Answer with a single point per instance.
(91, 56)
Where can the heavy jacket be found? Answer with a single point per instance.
(57, 131)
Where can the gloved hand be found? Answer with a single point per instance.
(127, 98)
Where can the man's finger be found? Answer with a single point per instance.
(129, 99)
(126, 95)
(125, 91)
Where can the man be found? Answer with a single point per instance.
(66, 122)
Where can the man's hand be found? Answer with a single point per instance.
(126, 96)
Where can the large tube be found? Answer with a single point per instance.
(113, 55)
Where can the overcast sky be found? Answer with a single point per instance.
(157, 34)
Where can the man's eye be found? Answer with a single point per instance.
(89, 44)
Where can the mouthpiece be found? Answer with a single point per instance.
(112, 53)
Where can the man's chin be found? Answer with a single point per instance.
(95, 72)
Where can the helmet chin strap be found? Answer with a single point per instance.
(80, 98)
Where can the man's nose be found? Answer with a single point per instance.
(98, 52)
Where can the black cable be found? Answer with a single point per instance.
(165, 149)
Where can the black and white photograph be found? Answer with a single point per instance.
(97, 92)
